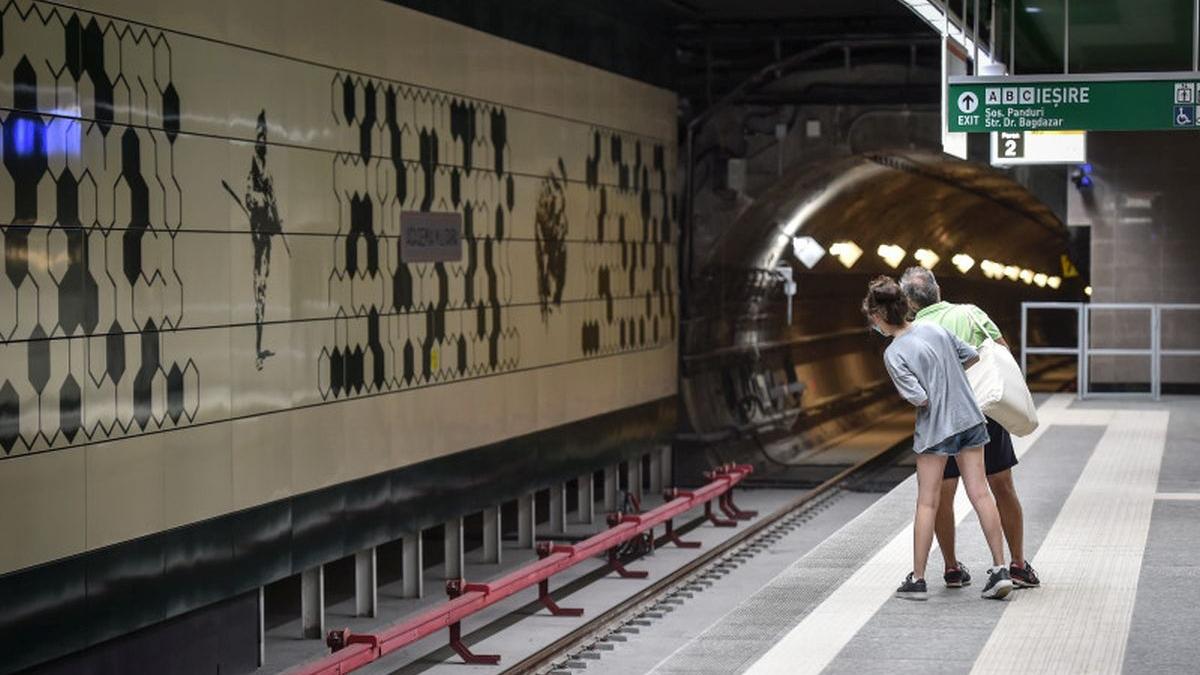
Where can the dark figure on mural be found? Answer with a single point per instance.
(550, 232)
(263, 213)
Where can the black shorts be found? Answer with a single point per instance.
(998, 454)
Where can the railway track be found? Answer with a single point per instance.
(574, 649)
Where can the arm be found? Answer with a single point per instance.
(967, 355)
(906, 382)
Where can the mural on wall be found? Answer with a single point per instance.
(623, 193)
(551, 228)
(115, 217)
(262, 215)
(90, 216)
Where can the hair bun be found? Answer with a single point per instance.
(885, 293)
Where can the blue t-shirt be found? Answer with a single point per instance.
(926, 365)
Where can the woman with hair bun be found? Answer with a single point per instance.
(927, 365)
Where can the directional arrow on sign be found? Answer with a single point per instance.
(968, 102)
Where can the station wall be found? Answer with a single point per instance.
(204, 309)
(1144, 248)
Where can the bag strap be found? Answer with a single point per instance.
(975, 322)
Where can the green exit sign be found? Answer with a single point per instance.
(1113, 102)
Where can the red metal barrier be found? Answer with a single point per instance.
(351, 650)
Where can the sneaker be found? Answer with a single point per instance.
(957, 576)
(1023, 576)
(912, 589)
(999, 585)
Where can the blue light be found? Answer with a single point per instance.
(24, 136)
(66, 139)
(1085, 182)
(1087, 169)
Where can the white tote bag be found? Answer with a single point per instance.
(1000, 388)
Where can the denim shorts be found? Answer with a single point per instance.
(975, 437)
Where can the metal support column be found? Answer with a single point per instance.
(656, 479)
(492, 535)
(610, 488)
(262, 626)
(585, 493)
(366, 590)
(668, 476)
(312, 603)
(452, 545)
(413, 579)
(558, 508)
(526, 522)
(633, 477)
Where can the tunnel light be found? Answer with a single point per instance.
(928, 259)
(1040, 279)
(1088, 291)
(808, 251)
(892, 255)
(1027, 276)
(1054, 282)
(1012, 272)
(847, 252)
(963, 262)
(991, 269)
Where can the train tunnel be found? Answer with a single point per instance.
(746, 371)
(302, 299)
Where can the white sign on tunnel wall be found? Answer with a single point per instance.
(1039, 147)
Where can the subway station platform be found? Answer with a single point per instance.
(1111, 493)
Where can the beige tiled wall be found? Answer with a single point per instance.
(251, 436)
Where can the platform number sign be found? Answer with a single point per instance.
(1012, 145)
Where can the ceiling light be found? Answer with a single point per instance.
(847, 252)
(1012, 272)
(1054, 282)
(1088, 291)
(927, 258)
(1027, 276)
(1040, 279)
(892, 255)
(808, 251)
(963, 262)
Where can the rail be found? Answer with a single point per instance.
(1083, 350)
(355, 650)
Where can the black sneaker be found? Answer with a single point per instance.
(957, 576)
(999, 585)
(1024, 576)
(912, 589)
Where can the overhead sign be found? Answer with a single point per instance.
(430, 237)
(1110, 102)
(1039, 147)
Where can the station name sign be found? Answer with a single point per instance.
(430, 236)
(1110, 102)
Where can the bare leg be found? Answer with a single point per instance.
(970, 464)
(944, 525)
(1012, 518)
(929, 492)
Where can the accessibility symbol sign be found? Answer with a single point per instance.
(1185, 115)
(968, 102)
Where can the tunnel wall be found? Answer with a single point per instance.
(215, 370)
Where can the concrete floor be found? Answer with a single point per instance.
(1143, 619)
